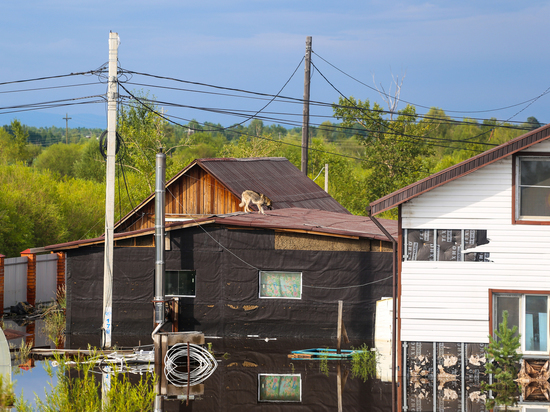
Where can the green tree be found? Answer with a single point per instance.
(59, 159)
(142, 130)
(502, 361)
(91, 164)
(394, 149)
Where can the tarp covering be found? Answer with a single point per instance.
(227, 263)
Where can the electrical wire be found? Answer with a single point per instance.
(532, 100)
(177, 357)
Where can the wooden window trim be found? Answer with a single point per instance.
(515, 220)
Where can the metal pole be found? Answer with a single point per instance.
(110, 192)
(305, 124)
(326, 177)
(159, 236)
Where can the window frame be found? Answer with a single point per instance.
(494, 293)
(260, 375)
(517, 219)
(462, 250)
(194, 281)
(279, 297)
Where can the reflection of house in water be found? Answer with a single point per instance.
(474, 242)
(238, 274)
(294, 385)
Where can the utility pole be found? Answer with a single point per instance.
(112, 96)
(305, 124)
(67, 118)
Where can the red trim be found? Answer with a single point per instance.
(514, 190)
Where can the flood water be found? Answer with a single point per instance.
(252, 375)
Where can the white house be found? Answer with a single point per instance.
(475, 241)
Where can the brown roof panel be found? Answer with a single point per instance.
(275, 177)
(313, 221)
(460, 169)
(291, 219)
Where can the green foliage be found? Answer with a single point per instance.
(59, 159)
(252, 147)
(143, 133)
(502, 361)
(394, 150)
(323, 363)
(37, 210)
(77, 389)
(7, 395)
(363, 363)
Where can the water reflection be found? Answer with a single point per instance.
(255, 374)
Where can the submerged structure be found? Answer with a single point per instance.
(235, 274)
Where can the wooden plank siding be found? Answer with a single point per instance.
(194, 194)
(449, 301)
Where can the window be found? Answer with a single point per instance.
(180, 283)
(532, 188)
(280, 284)
(279, 388)
(444, 245)
(529, 312)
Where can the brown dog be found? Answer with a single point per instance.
(259, 199)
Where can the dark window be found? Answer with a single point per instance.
(180, 283)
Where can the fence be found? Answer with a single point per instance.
(30, 278)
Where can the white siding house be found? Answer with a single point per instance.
(475, 241)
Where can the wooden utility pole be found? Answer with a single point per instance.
(67, 118)
(305, 124)
(112, 97)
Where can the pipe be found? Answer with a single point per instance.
(160, 177)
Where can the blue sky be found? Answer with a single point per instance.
(468, 58)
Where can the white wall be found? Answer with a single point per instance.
(449, 301)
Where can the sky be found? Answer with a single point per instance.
(477, 59)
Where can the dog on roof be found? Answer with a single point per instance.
(259, 199)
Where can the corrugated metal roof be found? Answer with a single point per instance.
(275, 177)
(460, 169)
(292, 219)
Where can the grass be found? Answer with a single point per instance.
(79, 389)
(323, 363)
(363, 363)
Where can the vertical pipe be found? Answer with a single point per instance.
(159, 236)
(326, 177)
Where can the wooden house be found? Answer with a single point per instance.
(473, 242)
(214, 187)
(238, 275)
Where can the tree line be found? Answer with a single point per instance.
(53, 185)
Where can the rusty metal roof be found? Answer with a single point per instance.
(292, 219)
(311, 221)
(275, 177)
(460, 169)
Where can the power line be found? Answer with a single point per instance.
(532, 100)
